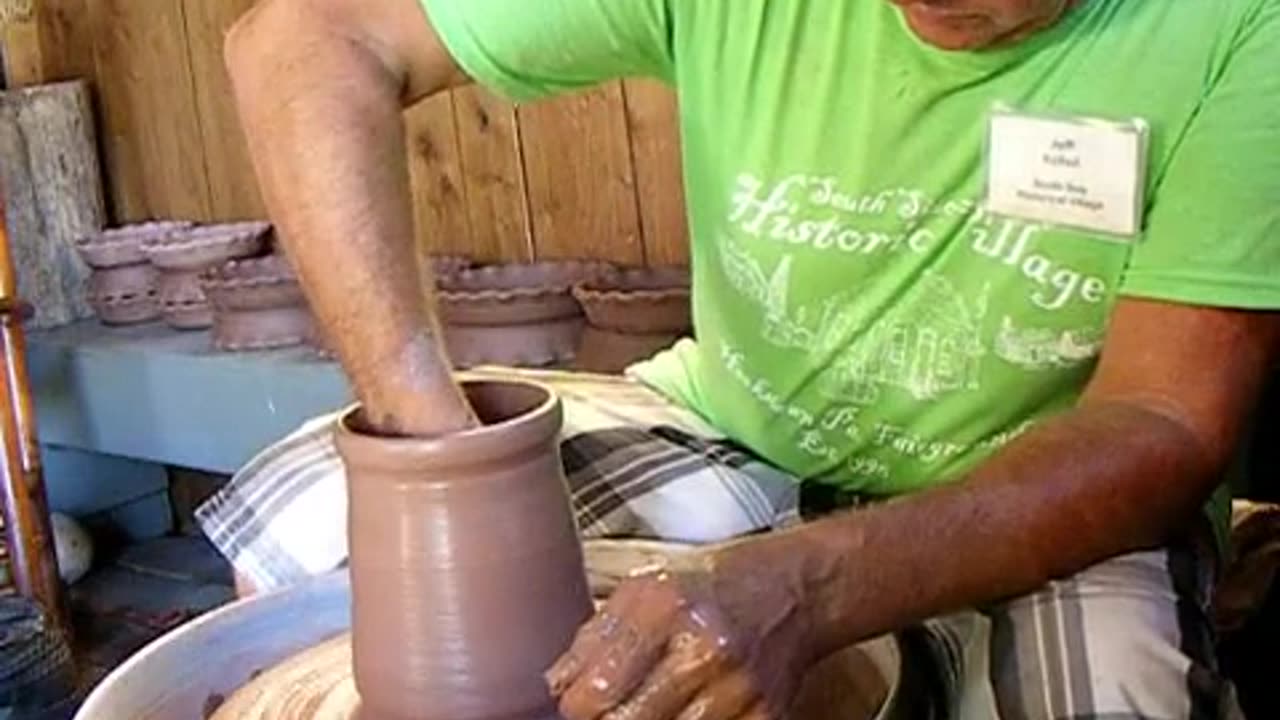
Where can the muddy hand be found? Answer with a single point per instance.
(710, 640)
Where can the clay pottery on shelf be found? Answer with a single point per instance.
(257, 304)
(200, 247)
(515, 314)
(120, 246)
(182, 301)
(124, 295)
(631, 314)
(467, 571)
(182, 255)
(122, 287)
(446, 265)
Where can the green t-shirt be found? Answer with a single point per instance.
(860, 319)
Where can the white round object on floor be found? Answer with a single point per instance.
(73, 547)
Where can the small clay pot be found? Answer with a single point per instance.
(115, 247)
(515, 314)
(467, 571)
(257, 304)
(182, 255)
(638, 301)
(122, 289)
(632, 314)
(182, 302)
(124, 294)
(253, 283)
(264, 329)
(611, 353)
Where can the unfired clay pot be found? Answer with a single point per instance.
(515, 314)
(182, 255)
(257, 304)
(632, 314)
(467, 572)
(122, 288)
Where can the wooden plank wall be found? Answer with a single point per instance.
(591, 175)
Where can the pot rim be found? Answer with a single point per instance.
(517, 281)
(484, 444)
(240, 273)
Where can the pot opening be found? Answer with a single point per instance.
(494, 402)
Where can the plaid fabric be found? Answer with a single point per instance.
(637, 466)
(1128, 639)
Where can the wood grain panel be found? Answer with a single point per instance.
(23, 64)
(493, 170)
(233, 190)
(435, 174)
(152, 138)
(579, 177)
(653, 120)
(66, 40)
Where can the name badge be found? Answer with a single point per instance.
(1083, 173)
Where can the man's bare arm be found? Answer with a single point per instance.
(321, 86)
(1126, 470)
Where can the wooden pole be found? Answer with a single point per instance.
(27, 527)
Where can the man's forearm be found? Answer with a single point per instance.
(323, 117)
(1099, 481)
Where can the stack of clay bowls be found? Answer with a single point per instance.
(182, 255)
(515, 314)
(631, 314)
(258, 304)
(123, 285)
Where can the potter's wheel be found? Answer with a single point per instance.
(286, 656)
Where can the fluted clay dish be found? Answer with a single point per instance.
(638, 301)
(124, 294)
(515, 293)
(183, 303)
(252, 284)
(115, 247)
(199, 247)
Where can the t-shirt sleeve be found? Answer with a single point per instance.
(1213, 229)
(528, 49)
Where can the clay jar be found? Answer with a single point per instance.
(631, 314)
(181, 256)
(514, 314)
(467, 572)
(122, 287)
(257, 304)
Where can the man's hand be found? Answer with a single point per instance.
(716, 637)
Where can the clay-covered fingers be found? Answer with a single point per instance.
(729, 698)
(591, 640)
(691, 664)
(625, 659)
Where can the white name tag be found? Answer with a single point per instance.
(1083, 173)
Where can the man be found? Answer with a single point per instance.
(1000, 273)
